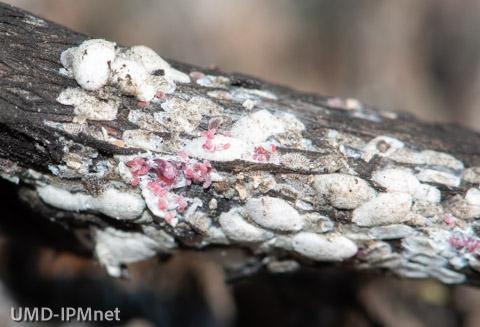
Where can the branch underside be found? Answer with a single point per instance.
(227, 160)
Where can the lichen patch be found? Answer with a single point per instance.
(87, 106)
(257, 127)
(142, 139)
(146, 121)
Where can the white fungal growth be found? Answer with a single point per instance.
(62, 199)
(119, 205)
(220, 95)
(343, 191)
(274, 213)
(213, 204)
(240, 94)
(132, 79)
(88, 107)
(383, 146)
(227, 148)
(111, 202)
(473, 197)
(124, 205)
(291, 123)
(262, 93)
(249, 104)
(441, 159)
(137, 71)
(408, 156)
(145, 120)
(89, 63)
(237, 229)
(397, 180)
(386, 208)
(426, 157)
(324, 247)
(337, 138)
(439, 177)
(318, 223)
(151, 199)
(198, 220)
(165, 241)
(215, 235)
(428, 193)
(11, 178)
(196, 217)
(114, 247)
(257, 127)
(153, 63)
(403, 180)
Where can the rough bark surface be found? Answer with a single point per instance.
(229, 161)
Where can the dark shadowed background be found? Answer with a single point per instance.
(417, 56)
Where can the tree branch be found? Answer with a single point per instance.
(217, 159)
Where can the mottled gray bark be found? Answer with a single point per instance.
(226, 160)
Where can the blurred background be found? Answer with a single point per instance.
(417, 56)
(409, 55)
